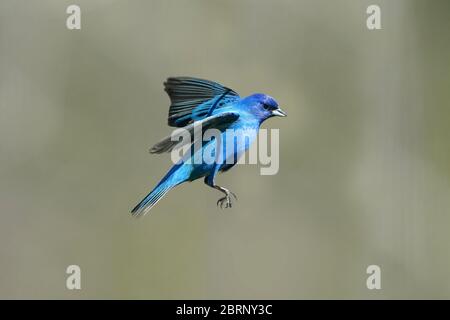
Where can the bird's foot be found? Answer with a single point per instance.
(226, 200)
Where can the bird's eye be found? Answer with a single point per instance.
(265, 106)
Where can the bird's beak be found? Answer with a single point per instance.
(278, 112)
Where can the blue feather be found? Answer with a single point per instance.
(197, 101)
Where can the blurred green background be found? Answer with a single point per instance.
(364, 155)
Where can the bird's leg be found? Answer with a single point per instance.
(224, 200)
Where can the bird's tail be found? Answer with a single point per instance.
(167, 183)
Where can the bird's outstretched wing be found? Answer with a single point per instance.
(219, 121)
(193, 99)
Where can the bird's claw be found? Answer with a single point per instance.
(225, 201)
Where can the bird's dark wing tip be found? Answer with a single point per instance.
(187, 93)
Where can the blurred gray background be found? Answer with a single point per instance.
(364, 155)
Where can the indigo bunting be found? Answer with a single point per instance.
(199, 103)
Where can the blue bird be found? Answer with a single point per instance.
(208, 105)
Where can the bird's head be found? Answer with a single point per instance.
(263, 106)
